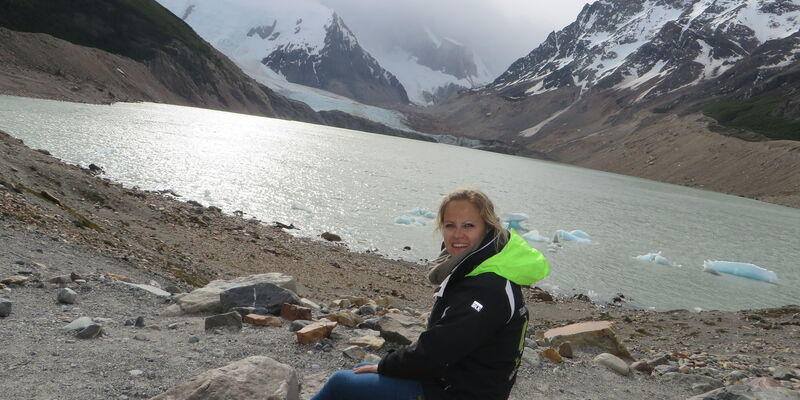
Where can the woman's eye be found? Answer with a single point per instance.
(469, 226)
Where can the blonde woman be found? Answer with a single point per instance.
(473, 345)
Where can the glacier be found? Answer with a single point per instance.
(745, 270)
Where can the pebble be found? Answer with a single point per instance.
(5, 307)
(66, 296)
(194, 339)
(136, 372)
(139, 323)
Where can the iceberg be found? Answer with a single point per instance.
(512, 221)
(572, 236)
(404, 220)
(654, 258)
(422, 212)
(534, 236)
(744, 270)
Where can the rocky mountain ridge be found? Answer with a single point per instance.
(303, 42)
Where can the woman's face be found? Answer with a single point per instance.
(463, 226)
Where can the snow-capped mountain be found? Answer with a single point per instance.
(431, 67)
(668, 44)
(302, 41)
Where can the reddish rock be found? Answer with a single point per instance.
(552, 355)
(262, 320)
(315, 332)
(293, 312)
(594, 333)
(700, 364)
(74, 277)
(565, 349)
(642, 366)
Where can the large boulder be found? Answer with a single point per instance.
(207, 298)
(595, 333)
(263, 298)
(256, 377)
(400, 328)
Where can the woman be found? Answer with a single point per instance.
(473, 345)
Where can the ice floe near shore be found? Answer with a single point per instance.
(745, 270)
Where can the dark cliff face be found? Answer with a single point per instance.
(148, 33)
(342, 66)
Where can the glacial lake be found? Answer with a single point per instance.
(358, 185)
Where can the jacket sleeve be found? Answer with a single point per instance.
(465, 325)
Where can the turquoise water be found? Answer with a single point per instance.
(357, 184)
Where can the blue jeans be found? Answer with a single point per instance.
(347, 385)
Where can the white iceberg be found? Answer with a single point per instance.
(572, 236)
(534, 236)
(654, 258)
(422, 212)
(744, 270)
(405, 220)
(512, 221)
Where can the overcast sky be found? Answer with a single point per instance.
(499, 31)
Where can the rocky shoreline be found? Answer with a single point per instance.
(63, 227)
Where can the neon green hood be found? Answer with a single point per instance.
(517, 262)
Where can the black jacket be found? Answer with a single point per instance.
(473, 345)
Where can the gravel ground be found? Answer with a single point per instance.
(57, 219)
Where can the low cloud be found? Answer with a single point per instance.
(499, 31)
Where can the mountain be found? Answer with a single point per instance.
(666, 44)
(122, 50)
(431, 67)
(303, 41)
(703, 93)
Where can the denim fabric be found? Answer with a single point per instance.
(347, 385)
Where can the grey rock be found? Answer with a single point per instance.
(735, 376)
(264, 378)
(531, 357)
(367, 309)
(784, 373)
(265, 297)
(5, 307)
(136, 372)
(173, 326)
(296, 325)
(662, 360)
(66, 296)
(370, 323)
(399, 328)
(207, 298)
(139, 323)
(90, 332)
(231, 321)
(371, 358)
(355, 352)
(366, 332)
(642, 366)
(745, 392)
(78, 324)
(194, 339)
(613, 363)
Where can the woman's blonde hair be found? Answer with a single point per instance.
(485, 208)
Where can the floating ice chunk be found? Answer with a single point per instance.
(697, 309)
(654, 258)
(512, 221)
(572, 236)
(744, 270)
(534, 236)
(405, 220)
(300, 207)
(422, 212)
